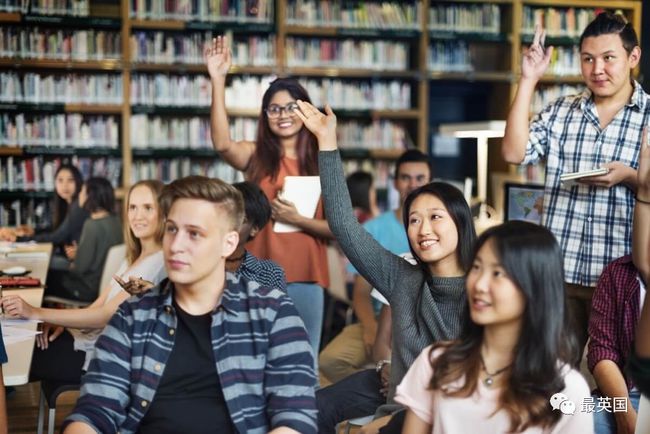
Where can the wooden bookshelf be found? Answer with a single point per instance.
(499, 68)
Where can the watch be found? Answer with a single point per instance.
(380, 364)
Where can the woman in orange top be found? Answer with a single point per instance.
(284, 147)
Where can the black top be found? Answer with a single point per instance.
(189, 398)
(70, 228)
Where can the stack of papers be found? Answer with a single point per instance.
(13, 330)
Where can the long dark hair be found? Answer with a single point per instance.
(268, 151)
(60, 205)
(100, 195)
(459, 212)
(532, 260)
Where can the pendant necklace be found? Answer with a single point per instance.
(489, 380)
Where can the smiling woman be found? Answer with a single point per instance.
(283, 148)
(427, 299)
(512, 357)
(62, 353)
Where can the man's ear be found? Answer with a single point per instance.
(635, 56)
(230, 242)
(254, 231)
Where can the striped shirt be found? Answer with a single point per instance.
(592, 224)
(261, 351)
(263, 271)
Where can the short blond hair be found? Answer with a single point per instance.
(212, 190)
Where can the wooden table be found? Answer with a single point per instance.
(16, 370)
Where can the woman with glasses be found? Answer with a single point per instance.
(284, 147)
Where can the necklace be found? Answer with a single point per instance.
(489, 380)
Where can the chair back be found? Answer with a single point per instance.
(114, 258)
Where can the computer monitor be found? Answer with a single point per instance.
(523, 202)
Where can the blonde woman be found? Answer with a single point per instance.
(62, 354)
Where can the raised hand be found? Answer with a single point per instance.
(536, 58)
(218, 57)
(322, 125)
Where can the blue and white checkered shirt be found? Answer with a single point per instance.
(263, 271)
(592, 224)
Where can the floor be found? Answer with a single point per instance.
(22, 408)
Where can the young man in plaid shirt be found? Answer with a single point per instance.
(601, 127)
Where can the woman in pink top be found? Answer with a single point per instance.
(510, 370)
(284, 147)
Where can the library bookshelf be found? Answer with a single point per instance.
(129, 75)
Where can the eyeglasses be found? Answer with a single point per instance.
(273, 111)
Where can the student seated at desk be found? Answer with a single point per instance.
(101, 231)
(68, 217)
(63, 353)
(205, 351)
(3, 402)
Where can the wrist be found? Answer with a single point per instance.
(380, 365)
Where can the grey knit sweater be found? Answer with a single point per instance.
(425, 308)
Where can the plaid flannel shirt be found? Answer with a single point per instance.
(592, 224)
(261, 351)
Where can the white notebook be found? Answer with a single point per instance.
(569, 179)
(304, 192)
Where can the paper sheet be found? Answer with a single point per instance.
(304, 192)
(12, 335)
(8, 322)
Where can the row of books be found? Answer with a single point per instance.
(449, 56)
(42, 43)
(547, 94)
(342, 13)
(241, 11)
(189, 47)
(347, 53)
(63, 88)
(243, 92)
(77, 8)
(36, 213)
(156, 132)
(37, 173)
(67, 130)
(379, 134)
(168, 170)
(359, 95)
(557, 21)
(565, 61)
(463, 18)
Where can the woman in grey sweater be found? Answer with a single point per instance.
(427, 299)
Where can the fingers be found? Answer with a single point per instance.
(328, 110)
(119, 281)
(537, 36)
(55, 334)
